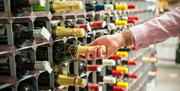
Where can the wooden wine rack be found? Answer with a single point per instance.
(7, 19)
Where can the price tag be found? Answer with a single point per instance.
(46, 33)
(47, 67)
(42, 34)
(42, 3)
(65, 39)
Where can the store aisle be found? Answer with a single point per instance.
(168, 76)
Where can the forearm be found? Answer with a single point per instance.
(155, 30)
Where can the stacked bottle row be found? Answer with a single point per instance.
(52, 63)
(22, 8)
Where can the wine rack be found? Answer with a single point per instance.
(51, 50)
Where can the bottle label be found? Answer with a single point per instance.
(42, 34)
(48, 66)
(43, 65)
(42, 3)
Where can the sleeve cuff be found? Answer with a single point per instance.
(141, 37)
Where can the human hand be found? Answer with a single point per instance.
(112, 43)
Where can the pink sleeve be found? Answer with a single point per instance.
(158, 29)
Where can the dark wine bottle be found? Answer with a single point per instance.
(24, 65)
(4, 66)
(60, 52)
(23, 36)
(27, 85)
(1, 5)
(7, 89)
(42, 53)
(44, 81)
(89, 7)
(22, 7)
(19, 8)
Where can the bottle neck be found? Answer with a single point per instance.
(71, 81)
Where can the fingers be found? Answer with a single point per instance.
(109, 53)
(93, 54)
(100, 55)
(87, 56)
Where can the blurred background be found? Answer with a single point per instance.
(168, 52)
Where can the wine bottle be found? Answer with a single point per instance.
(86, 27)
(63, 52)
(99, 7)
(26, 85)
(44, 81)
(125, 49)
(134, 17)
(125, 75)
(116, 57)
(60, 6)
(117, 88)
(121, 6)
(4, 66)
(24, 37)
(122, 84)
(85, 68)
(109, 7)
(119, 68)
(23, 66)
(1, 5)
(22, 7)
(121, 22)
(39, 8)
(131, 6)
(94, 87)
(7, 89)
(112, 62)
(89, 7)
(98, 24)
(132, 21)
(122, 53)
(19, 7)
(81, 21)
(128, 62)
(63, 80)
(148, 59)
(42, 53)
(111, 82)
(63, 32)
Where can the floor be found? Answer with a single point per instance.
(168, 77)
